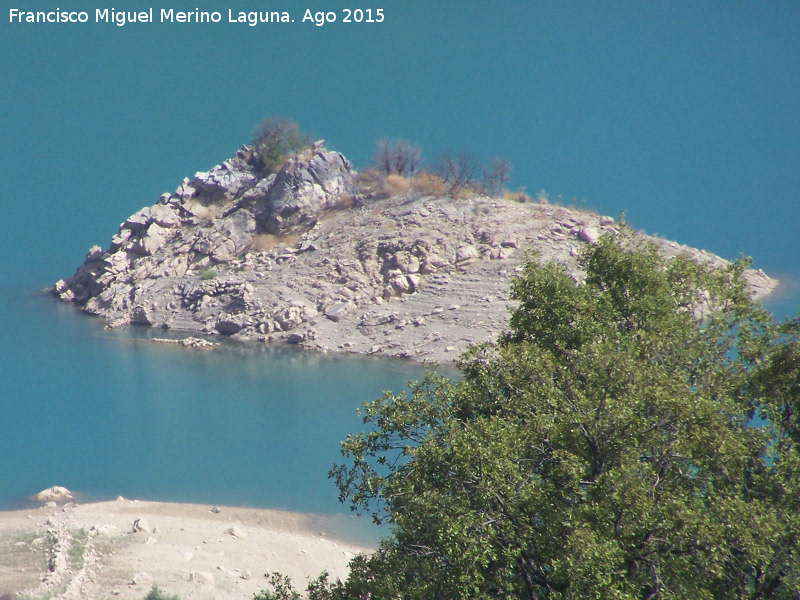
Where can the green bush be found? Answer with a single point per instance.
(274, 140)
(208, 274)
(156, 593)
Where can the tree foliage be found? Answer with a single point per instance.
(274, 139)
(605, 447)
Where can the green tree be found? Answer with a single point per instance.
(603, 448)
(274, 139)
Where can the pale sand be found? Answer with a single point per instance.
(90, 550)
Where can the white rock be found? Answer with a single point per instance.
(202, 577)
(337, 311)
(237, 532)
(54, 493)
(141, 579)
(588, 235)
(466, 254)
(141, 526)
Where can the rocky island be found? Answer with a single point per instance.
(320, 256)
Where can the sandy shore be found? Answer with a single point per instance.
(119, 549)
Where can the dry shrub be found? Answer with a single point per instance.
(520, 196)
(394, 185)
(369, 182)
(344, 201)
(430, 184)
(264, 242)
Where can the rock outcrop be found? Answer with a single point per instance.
(304, 257)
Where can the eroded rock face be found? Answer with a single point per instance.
(302, 191)
(231, 253)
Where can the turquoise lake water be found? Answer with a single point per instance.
(108, 413)
(683, 115)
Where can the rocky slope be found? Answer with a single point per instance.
(314, 256)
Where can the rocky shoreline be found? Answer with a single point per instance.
(315, 256)
(120, 549)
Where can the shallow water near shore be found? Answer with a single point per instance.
(108, 413)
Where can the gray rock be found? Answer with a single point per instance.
(94, 254)
(138, 220)
(589, 235)
(466, 255)
(237, 532)
(56, 493)
(202, 578)
(164, 216)
(150, 241)
(606, 221)
(141, 526)
(229, 325)
(337, 312)
(302, 191)
(141, 579)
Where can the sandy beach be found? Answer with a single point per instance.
(119, 549)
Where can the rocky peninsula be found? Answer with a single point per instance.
(320, 256)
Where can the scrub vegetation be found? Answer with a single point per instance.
(399, 168)
(635, 435)
(274, 140)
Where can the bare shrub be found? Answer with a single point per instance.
(397, 157)
(495, 175)
(458, 172)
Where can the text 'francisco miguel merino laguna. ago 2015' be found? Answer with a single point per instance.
(169, 15)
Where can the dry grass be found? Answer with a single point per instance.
(430, 184)
(264, 242)
(395, 185)
(519, 196)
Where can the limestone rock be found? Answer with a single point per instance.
(589, 235)
(237, 532)
(141, 579)
(466, 255)
(56, 493)
(141, 526)
(303, 190)
(202, 577)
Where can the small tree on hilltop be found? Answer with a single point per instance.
(274, 139)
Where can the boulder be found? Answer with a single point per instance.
(406, 262)
(56, 493)
(138, 220)
(337, 312)
(164, 216)
(466, 255)
(302, 191)
(229, 325)
(202, 577)
(94, 254)
(589, 235)
(141, 526)
(236, 532)
(150, 241)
